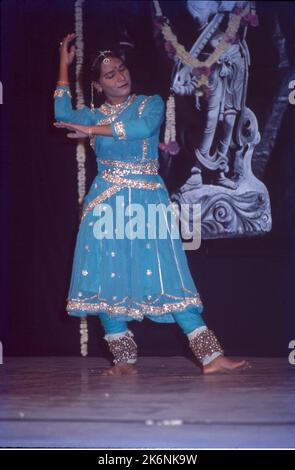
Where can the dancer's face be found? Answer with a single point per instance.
(115, 80)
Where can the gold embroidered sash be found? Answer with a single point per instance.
(117, 176)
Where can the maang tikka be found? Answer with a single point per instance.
(106, 60)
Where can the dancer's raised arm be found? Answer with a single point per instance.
(63, 109)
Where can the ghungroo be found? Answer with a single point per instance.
(205, 345)
(123, 348)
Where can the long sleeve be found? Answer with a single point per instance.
(144, 126)
(63, 110)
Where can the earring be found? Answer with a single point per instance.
(92, 99)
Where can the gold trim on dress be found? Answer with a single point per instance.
(110, 110)
(142, 105)
(60, 92)
(143, 308)
(116, 176)
(100, 198)
(145, 141)
(111, 176)
(106, 121)
(144, 149)
(150, 168)
(120, 130)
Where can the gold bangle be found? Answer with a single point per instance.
(62, 82)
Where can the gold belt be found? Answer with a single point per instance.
(116, 176)
(150, 168)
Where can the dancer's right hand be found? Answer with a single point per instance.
(67, 54)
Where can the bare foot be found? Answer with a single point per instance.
(123, 368)
(225, 365)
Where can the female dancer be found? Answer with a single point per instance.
(116, 275)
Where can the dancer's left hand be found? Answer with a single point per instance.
(80, 131)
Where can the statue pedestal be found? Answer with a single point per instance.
(230, 213)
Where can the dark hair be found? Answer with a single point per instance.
(96, 61)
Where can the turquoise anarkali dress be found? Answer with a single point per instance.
(128, 278)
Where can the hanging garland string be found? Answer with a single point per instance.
(80, 149)
(200, 69)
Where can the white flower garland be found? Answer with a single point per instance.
(83, 336)
(170, 131)
(80, 149)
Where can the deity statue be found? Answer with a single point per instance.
(234, 202)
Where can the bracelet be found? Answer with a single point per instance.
(90, 134)
(62, 82)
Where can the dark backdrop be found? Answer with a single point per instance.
(247, 285)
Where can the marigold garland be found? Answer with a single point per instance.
(200, 69)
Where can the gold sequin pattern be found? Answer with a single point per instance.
(120, 130)
(133, 312)
(100, 198)
(114, 109)
(142, 105)
(60, 92)
(118, 126)
(106, 121)
(205, 344)
(140, 184)
(135, 168)
(145, 141)
(144, 148)
(123, 349)
(116, 177)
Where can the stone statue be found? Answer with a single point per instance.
(235, 202)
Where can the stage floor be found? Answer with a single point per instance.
(63, 402)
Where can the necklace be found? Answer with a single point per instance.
(116, 109)
(118, 104)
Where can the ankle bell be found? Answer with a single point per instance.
(123, 347)
(205, 345)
